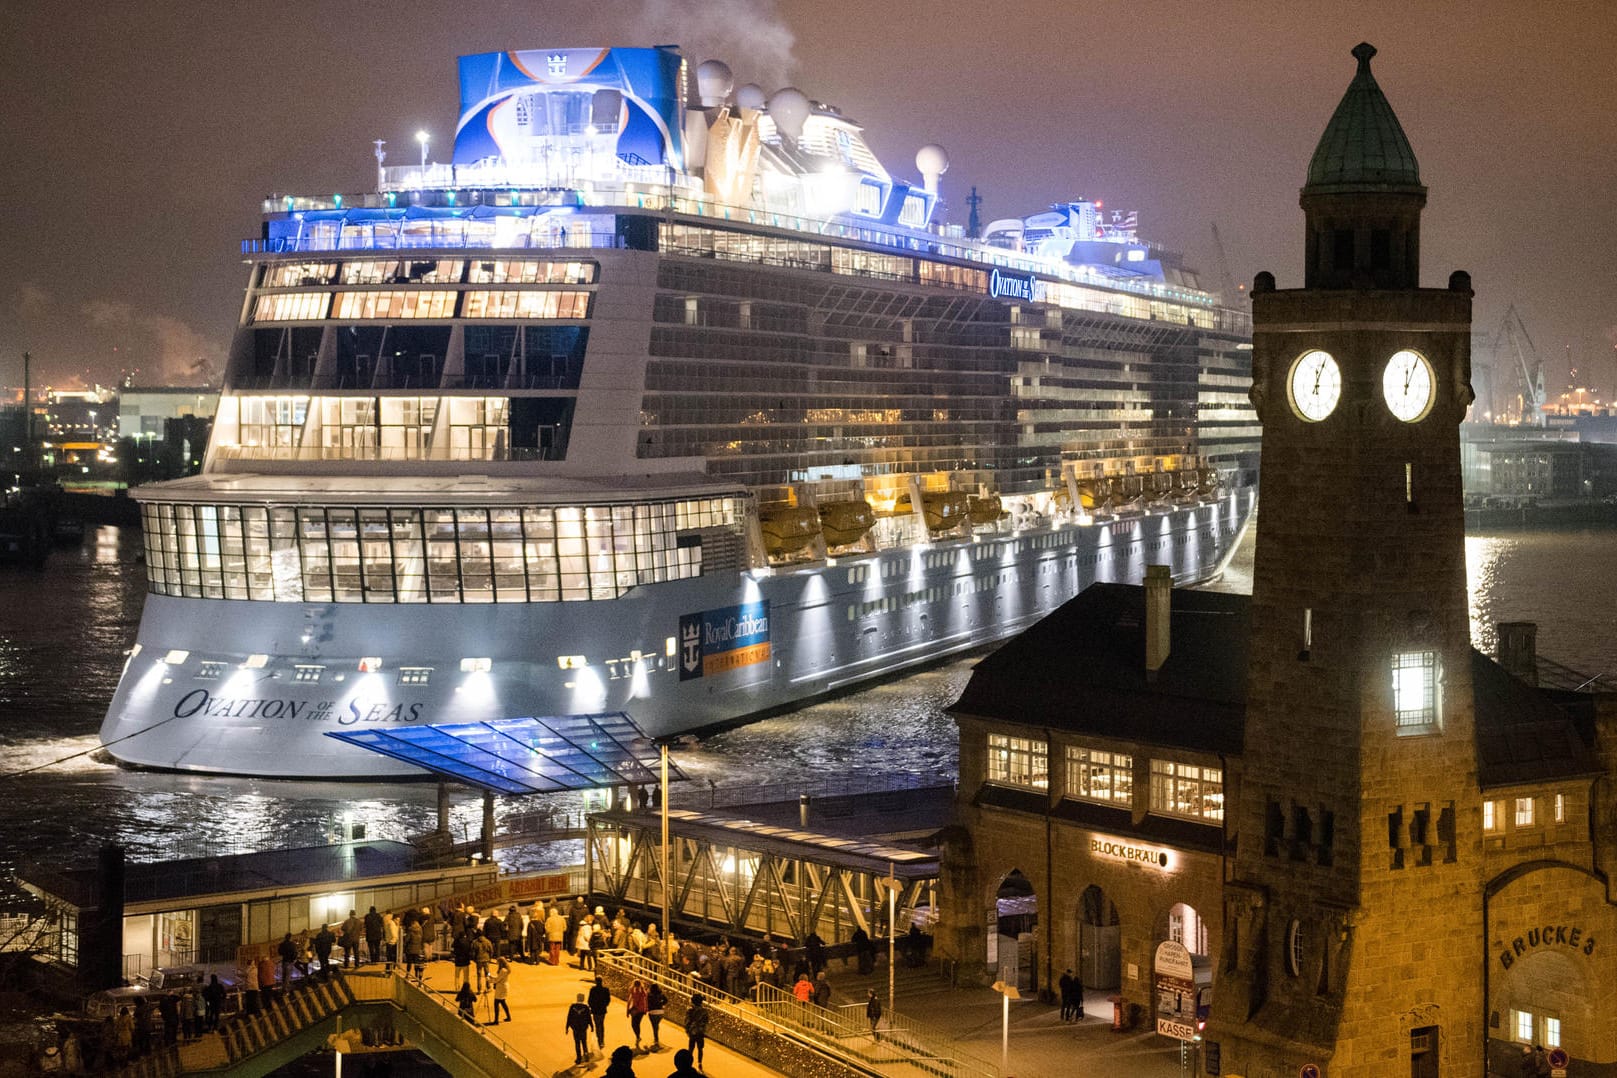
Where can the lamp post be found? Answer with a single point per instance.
(892, 933)
(663, 746)
(1008, 992)
(422, 137)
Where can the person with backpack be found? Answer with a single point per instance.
(696, 1028)
(656, 1003)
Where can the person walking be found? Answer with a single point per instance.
(266, 979)
(581, 943)
(213, 994)
(579, 1022)
(483, 958)
(822, 991)
(415, 951)
(600, 1000)
(168, 1008)
(502, 989)
(390, 940)
(123, 1036)
(655, 1004)
(622, 1065)
(555, 934)
(373, 936)
(249, 993)
(352, 932)
(493, 930)
(460, 953)
(288, 952)
(323, 942)
(638, 1006)
(682, 1065)
(803, 989)
(466, 1001)
(873, 1012)
(696, 1028)
(1065, 985)
(199, 1015)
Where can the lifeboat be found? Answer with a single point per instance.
(1093, 494)
(942, 510)
(787, 531)
(985, 510)
(846, 522)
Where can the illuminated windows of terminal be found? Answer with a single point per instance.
(1187, 790)
(1018, 761)
(1094, 775)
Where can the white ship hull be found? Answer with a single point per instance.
(828, 627)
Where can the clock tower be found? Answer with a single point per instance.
(1354, 905)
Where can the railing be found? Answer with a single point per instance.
(495, 454)
(774, 792)
(904, 1044)
(453, 189)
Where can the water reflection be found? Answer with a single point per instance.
(63, 648)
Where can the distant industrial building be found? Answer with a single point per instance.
(142, 411)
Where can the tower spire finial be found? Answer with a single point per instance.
(1362, 53)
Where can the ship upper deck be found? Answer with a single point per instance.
(434, 212)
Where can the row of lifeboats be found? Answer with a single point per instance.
(1111, 494)
(791, 532)
(788, 530)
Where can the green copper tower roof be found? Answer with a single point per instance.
(1363, 145)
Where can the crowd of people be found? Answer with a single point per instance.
(482, 946)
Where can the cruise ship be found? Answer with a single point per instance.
(663, 396)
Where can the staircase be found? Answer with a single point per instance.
(313, 1001)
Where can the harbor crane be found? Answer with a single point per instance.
(1512, 334)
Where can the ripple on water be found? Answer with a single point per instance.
(57, 672)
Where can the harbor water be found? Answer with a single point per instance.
(64, 631)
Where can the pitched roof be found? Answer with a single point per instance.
(1363, 145)
(1082, 670)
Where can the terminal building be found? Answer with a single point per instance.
(1386, 852)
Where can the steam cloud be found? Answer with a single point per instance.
(749, 35)
(182, 352)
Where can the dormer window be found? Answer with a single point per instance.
(1416, 700)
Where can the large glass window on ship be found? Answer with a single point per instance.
(523, 357)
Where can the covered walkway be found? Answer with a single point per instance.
(747, 878)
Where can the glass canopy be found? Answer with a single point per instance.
(525, 756)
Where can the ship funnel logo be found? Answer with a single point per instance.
(557, 62)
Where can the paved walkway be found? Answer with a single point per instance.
(540, 996)
(1041, 1045)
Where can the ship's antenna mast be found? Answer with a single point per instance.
(381, 155)
(974, 222)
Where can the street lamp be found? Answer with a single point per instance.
(422, 137)
(663, 747)
(1009, 992)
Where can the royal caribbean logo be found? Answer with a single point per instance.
(557, 61)
(1013, 285)
(726, 639)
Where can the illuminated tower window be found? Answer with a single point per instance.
(1414, 692)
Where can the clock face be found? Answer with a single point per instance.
(1407, 385)
(1315, 385)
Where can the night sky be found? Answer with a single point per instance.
(139, 136)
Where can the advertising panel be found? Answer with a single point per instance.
(729, 638)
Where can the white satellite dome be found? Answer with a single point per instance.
(750, 96)
(932, 161)
(789, 108)
(714, 81)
